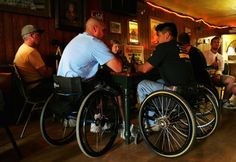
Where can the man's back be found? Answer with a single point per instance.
(82, 57)
(199, 66)
(175, 67)
(28, 60)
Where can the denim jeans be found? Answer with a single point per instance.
(146, 87)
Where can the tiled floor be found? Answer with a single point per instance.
(219, 147)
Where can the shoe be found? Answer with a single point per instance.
(106, 126)
(229, 106)
(133, 131)
(95, 128)
(70, 121)
(152, 126)
(155, 127)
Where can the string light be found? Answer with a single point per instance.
(185, 16)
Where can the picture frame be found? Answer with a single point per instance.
(138, 52)
(153, 36)
(133, 32)
(187, 30)
(115, 27)
(36, 8)
(70, 15)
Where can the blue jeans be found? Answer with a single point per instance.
(146, 87)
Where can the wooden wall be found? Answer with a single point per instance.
(11, 24)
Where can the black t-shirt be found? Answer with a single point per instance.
(174, 65)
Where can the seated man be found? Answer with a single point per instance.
(36, 75)
(198, 62)
(215, 65)
(84, 54)
(174, 65)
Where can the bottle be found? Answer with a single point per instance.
(216, 64)
(132, 63)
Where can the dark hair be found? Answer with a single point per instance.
(215, 38)
(168, 27)
(114, 42)
(184, 38)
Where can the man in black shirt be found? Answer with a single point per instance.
(173, 63)
(198, 62)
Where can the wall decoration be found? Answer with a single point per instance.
(69, 14)
(133, 32)
(153, 35)
(138, 51)
(187, 30)
(115, 27)
(27, 7)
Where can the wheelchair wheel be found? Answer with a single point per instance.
(97, 123)
(206, 111)
(162, 119)
(55, 129)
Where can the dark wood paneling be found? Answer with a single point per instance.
(11, 24)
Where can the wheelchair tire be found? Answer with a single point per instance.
(53, 128)
(98, 110)
(206, 112)
(162, 119)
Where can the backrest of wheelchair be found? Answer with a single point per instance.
(189, 93)
(68, 85)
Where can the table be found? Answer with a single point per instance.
(128, 83)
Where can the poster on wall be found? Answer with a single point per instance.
(138, 52)
(133, 32)
(153, 35)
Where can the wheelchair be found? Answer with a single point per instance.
(72, 112)
(170, 121)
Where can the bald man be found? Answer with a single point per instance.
(86, 52)
(83, 56)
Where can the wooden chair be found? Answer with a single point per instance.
(36, 103)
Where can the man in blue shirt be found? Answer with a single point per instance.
(84, 53)
(83, 56)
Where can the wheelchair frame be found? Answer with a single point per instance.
(57, 130)
(176, 123)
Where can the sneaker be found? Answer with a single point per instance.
(106, 126)
(133, 131)
(95, 128)
(152, 126)
(70, 121)
(229, 106)
(155, 127)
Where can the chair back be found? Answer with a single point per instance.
(19, 81)
(226, 70)
(68, 85)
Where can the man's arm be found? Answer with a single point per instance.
(115, 64)
(144, 68)
(45, 71)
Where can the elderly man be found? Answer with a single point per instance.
(36, 75)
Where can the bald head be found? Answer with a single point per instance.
(95, 27)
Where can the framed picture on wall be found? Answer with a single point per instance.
(35, 8)
(133, 32)
(69, 14)
(138, 52)
(115, 27)
(153, 36)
